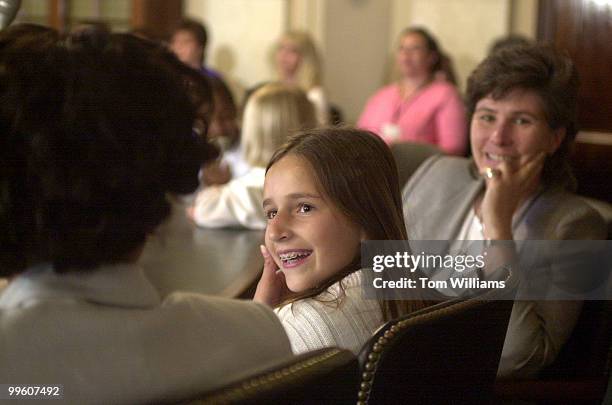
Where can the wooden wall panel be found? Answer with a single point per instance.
(592, 163)
(158, 17)
(584, 29)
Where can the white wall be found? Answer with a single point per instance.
(241, 35)
(524, 20)
(355, 46)
(310, 16)
(464, 28)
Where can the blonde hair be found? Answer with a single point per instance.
(309, 71)
(272, 113)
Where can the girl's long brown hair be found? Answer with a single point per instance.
(356, 172)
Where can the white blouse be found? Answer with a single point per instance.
(237, 203)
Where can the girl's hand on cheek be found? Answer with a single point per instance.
(272, 288)
(505, 192)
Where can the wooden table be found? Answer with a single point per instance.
(183, 257)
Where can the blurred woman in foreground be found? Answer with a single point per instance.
(94, 137)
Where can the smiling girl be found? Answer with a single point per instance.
(325, 192)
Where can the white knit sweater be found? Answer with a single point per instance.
(348, 322)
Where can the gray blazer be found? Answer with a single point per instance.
(437, 199)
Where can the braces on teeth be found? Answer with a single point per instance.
(291, 256)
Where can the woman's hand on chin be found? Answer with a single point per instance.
(272, 288)
(506, 189)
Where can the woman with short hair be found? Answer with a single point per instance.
(522, 108)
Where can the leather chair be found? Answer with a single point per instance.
(580, 373)
(447, 353)
(328, 375)
(409, 156)
(604, 209)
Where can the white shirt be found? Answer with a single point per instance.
(237, 203)
(472, 228)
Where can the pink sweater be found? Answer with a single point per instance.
(434, 115)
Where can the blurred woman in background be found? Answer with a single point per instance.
(224, 132)
(418, 108)
(298, 63)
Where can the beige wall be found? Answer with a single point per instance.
(241, 35)
(355, 46)
(524, 18)
(308, 15)
(356, 37)
(464, 28)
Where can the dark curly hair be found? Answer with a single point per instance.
(94, 135)
(552, 76)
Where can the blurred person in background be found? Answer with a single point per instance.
(188, 42)
(225, 133)
(298, 63)
(418, 108)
